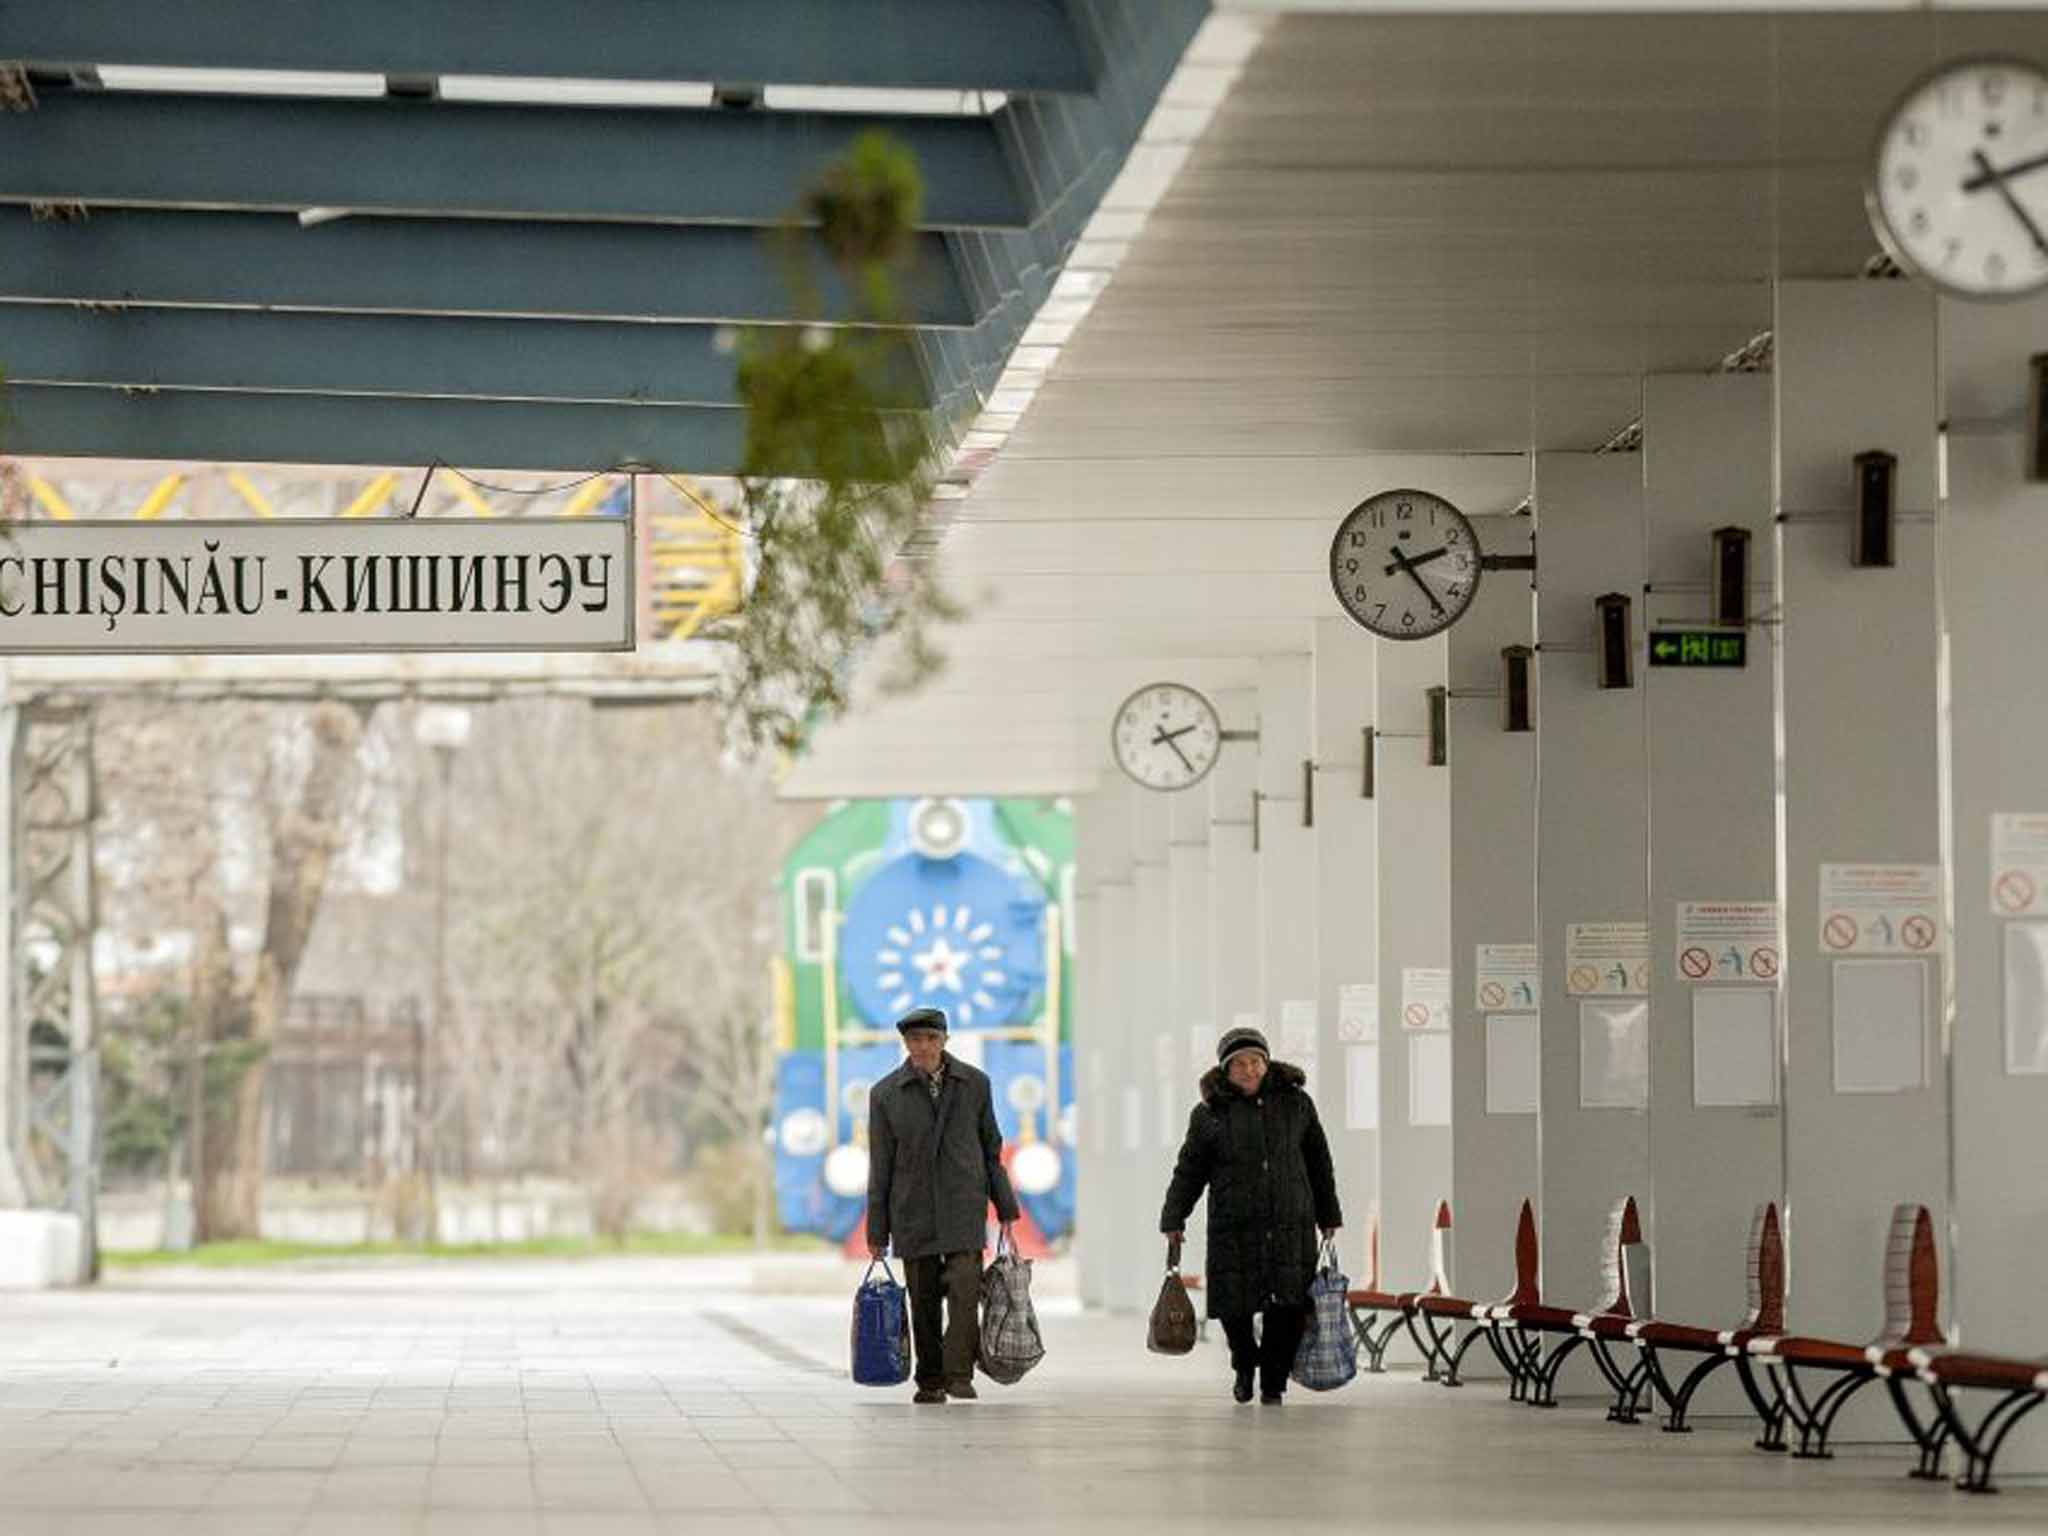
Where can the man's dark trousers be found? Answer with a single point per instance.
(946, 1354)
(1274, 1353)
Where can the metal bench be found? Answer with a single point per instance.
(1626, 1256)
(1369, 1303)
(2021, 1386)
(1439, 1312)
(1524, 1320)
(1655, 1338)
(1912, 1291)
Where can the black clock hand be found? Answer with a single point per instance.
(1161, 737)
(1401, 563)
(1988, 176)
(1422, 559)
(2004, 191)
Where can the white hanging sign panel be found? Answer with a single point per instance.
(1425, 998)
(1514, 1063)
(2019, 864)
(1298, 1031)
(1880, 909)
(1507, 978)
(1606, 959)
(317, 585)
(1727, 941)
(1358, 1012)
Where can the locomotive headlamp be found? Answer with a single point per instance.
(938, 828)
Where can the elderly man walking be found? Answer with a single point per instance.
(935, 1163)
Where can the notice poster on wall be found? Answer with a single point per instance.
(1362, 1088)
(1162, 1054)
(1727, 941)
(1734, 1047)
(1614, 1054)
(1606, 959)
(1298, 1031)
(1429, 1079)
(1425, 998)
(1507, 978)
(1514, 1063)
(1358, 1012)
(1880, 1019)
(1880, 909)
(2019, 864)
(2026, 999)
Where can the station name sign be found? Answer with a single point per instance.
(1699, 648)
(314, 585)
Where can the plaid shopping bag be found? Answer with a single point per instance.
(1010, 1341)
(1328, 1356)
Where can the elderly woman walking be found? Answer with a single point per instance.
(1254, 1141)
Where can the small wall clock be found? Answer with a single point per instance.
(1166, 736)
(1958, 188)
(1405, 564)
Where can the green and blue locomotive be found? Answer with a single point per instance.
(889, 905)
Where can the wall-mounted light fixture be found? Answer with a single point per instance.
(1870, 537)
(1614, 640)
(1308, 791)
(1730, 580)
(1439, 727)
(2037, 416)
(1517, 708)
(1368, 782)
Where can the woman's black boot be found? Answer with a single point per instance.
(1241, 1389)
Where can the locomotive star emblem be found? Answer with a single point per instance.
(940, 965)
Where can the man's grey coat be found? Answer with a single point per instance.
(933, 1166)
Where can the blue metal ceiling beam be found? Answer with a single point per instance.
(444, 266)
(687, 166)
(242, 349)
(995, 45)
(381, 430)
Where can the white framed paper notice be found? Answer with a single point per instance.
(1880, 1018)
(1514, 1063)
(2026, 999)
(1429, 1079)
(1361, 1087)
(1734, 1047)
(1614, 1054)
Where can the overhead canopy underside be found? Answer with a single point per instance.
(1409, 249)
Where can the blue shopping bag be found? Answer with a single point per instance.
(1328, 1356)
(881, 1330)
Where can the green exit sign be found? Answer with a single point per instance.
(1699, 648)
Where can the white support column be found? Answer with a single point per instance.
(1146, 1025)
(1346, 920)
(1590, 837)
(1413, 805)
(1859, 724)
(1191, 989)
(13, 1006)
(1495, 1152)
(1094, 1171)
(1713, 839)
(1233, 896)
(1286, 866)
(1995, 562)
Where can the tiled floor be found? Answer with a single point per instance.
(639, 1397)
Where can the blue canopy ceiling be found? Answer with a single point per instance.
(518, 284)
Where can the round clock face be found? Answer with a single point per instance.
(1166, 736)
(1405, 564)
(1959, 184)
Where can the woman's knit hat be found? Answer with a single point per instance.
(1236, 1040)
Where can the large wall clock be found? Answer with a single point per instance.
(1405, 564)
(1166, 736)
(1958, 187)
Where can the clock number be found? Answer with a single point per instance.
(1408, 618)
(1379, 611)
(1919, 222)
(1908, 178)
(1356, 538)
(1454, 537)
(1914, 132)
(1350, 567)
(1405, 511)
(1994, 90)
(1360, 596)
(1994, 266)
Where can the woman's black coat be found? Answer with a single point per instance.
(1267, 1167)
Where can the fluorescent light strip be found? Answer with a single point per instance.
(238, 82)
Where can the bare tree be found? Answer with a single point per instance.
(222, 823)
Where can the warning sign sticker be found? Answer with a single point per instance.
(1508, 978)
(1425, 998)
(2019, 864)
(1727, 941)
(1880, 909)
(1606, 959)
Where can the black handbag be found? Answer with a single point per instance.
(1173, 1326)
